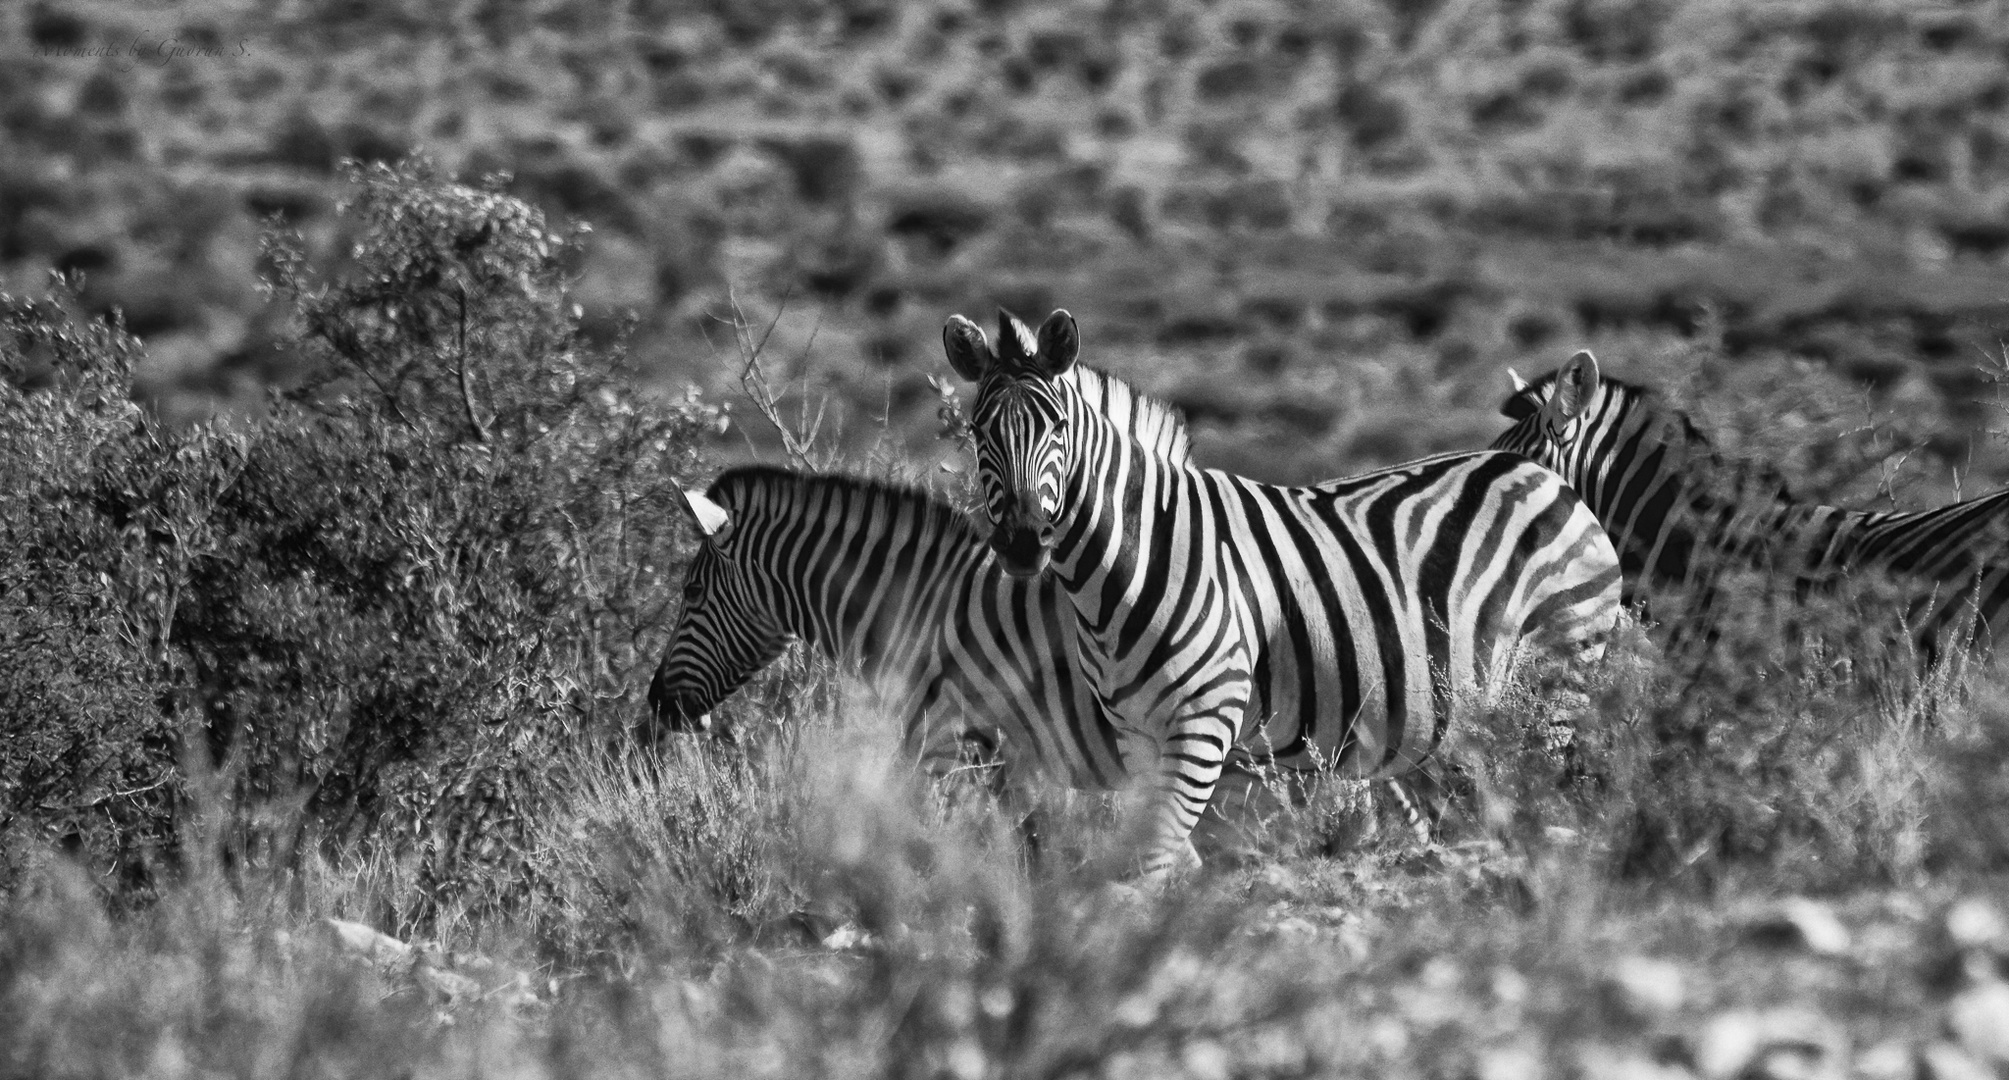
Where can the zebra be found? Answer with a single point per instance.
(1340, 626)
(902, 590)
(897, 586)
(1683, 515)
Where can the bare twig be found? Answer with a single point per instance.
(466, 395)
(108, 797)
(796, 438)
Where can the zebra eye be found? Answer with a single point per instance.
(693, 592)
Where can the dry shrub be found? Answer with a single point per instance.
(387, 612)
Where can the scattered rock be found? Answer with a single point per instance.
(1975, 923)
(1727, 1044)
(365, 941)
(1800, 923)
(1205, 1059)
(1945, 1061)
(1979, 1018)
(1646, 987)
(848, 936)
(1510, 987)
(1294, 928)
(1518, 1061)
(1428, 861)
(1789, 1063)
(451, 987)
(1779, 1044)
(1888, 1060)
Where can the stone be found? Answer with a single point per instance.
(366, 941)
(1647, 987)
(1295, 928)
(1783, 1043)
(1205, 1059)
(1517, 1061)
(1945, 1061)
(1800, 923)
(1975, 923)
(449, 985)
(1888, 1060)
(848, 936)
(1979, 1018)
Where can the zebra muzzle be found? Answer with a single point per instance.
(678, 711)
(1022, 551)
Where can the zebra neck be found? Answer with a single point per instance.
(1120, 489)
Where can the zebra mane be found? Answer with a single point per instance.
(744, 480)
(1631, 396)
(1151, 422)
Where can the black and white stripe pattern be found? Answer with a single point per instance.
(1338, 626)
(899, 588)
(1682, 514)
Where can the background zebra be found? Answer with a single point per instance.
(1682, 514)
(898, 587)
(1338, 626)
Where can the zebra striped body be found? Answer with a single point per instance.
(896, 586)
(1343, 626)
(1682, 514)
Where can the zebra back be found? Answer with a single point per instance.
(1683, 514)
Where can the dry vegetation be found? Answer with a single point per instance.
(368, 650)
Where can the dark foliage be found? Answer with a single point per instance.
(389, 604)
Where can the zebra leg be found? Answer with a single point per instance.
(1012, 791)
(1249, 804)
(1425, 796)
(1411, 798)
(1189, 768)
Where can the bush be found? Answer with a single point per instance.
(99, 511)
(383, 613)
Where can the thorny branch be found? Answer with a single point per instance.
(466, 395)
(796, 438)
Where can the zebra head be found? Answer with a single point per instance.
(1551, 413)
(1019, 418)
(727, 631)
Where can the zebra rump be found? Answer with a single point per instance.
(1683, 516)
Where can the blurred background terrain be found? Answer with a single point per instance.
(1322, 228)
(376, 657)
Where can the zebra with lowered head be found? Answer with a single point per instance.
(898, 587)
(1682, 514)
(1344, 625)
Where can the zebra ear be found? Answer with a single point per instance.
(1059, 343)
(1514, 377)
(712, 519)
(1575, 385)
(968, 352)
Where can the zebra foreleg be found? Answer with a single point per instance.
(1190, 761)
(1255, 809)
